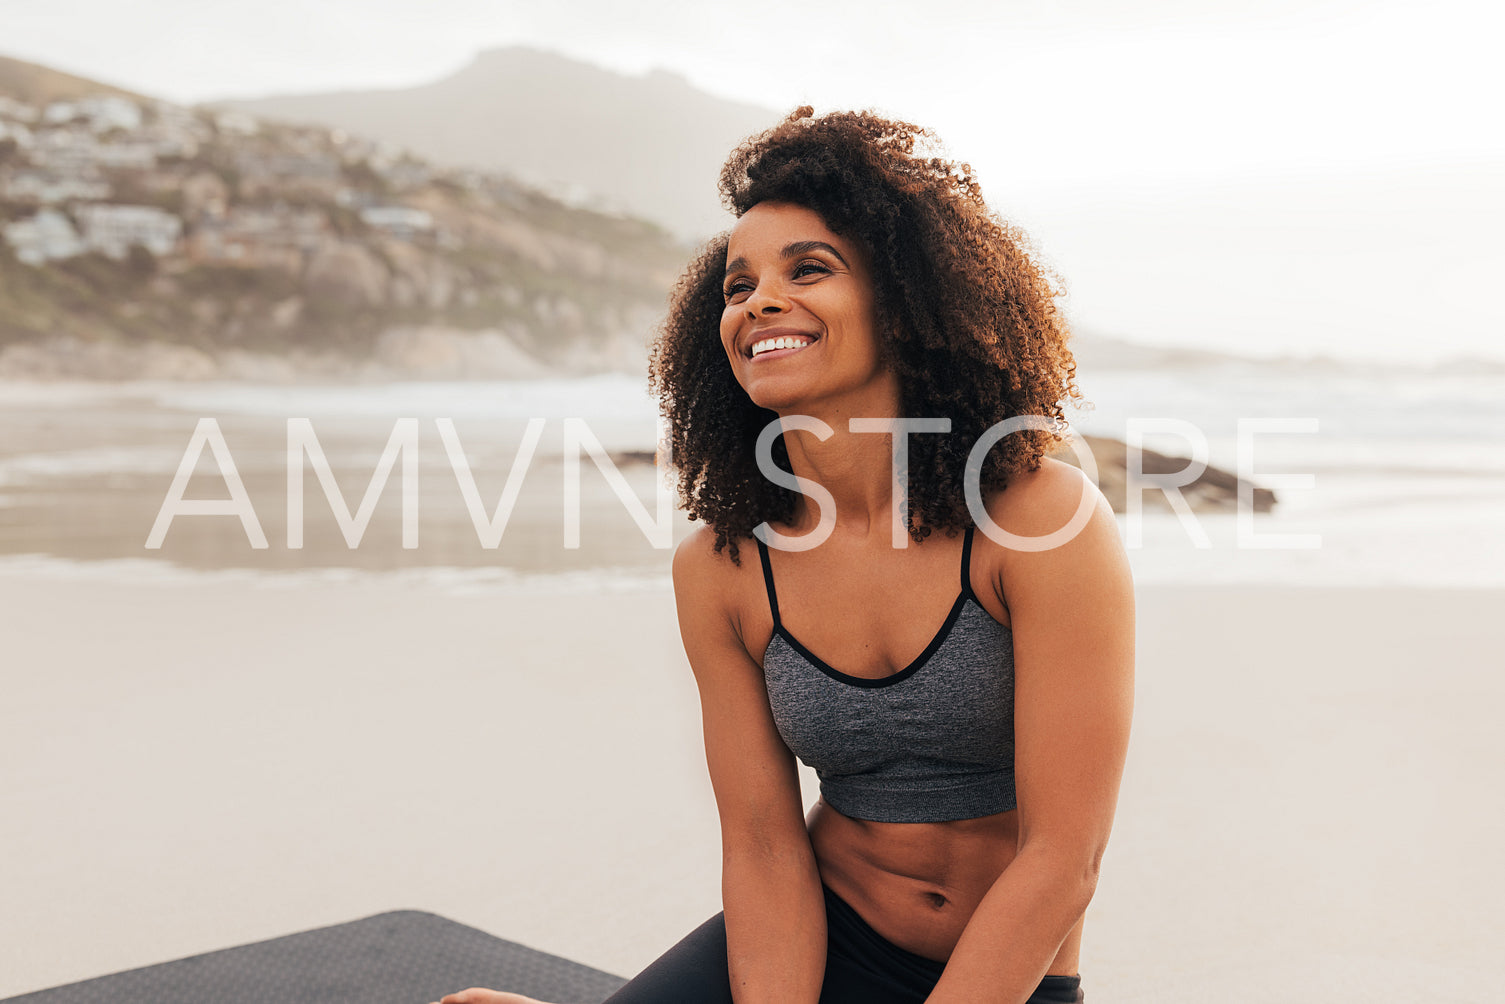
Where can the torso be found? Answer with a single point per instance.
(916, 884)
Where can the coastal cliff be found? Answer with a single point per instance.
(144, 239)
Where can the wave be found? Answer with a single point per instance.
(28, 468)
(449, 580)
(611, 396)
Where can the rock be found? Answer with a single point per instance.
(620, 457)
(347, 273)
(1214, 490)
(420, 279)
(286, 313)
(439, 353)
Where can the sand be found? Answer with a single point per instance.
(1311, 809)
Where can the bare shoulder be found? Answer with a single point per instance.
(709, 588)
(695, 558)
(700, 568)
(1046, 499)
(1051, 527)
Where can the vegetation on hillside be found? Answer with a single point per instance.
(126, 219)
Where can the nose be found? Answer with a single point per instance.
(768, 298)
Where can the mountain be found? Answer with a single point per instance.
(1095, 350)
(651, 145)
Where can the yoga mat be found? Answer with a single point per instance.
(402, 957)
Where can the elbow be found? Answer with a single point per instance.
(1088, 866)
(1071, 871)
(1078, 880)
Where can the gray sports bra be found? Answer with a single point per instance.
(933, 742)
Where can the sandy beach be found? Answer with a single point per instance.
(1309, 810)
(356, 380)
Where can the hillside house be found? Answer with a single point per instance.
(47, 236)
(113, 229)
(401, 222)
(107, 111)
(71, 150)
(48, 188)
(258, 238)
(275, 174)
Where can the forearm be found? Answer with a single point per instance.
(775, 928)
(1015, 932)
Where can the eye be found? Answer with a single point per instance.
(740, 286)
(813, 267)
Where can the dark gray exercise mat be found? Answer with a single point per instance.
(403, 957)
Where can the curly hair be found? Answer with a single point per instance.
(968, 321)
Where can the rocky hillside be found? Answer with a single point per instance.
(220, 239)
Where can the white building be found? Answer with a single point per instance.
(107, 112)
(67, 150)
(59, 112)
(47, 187)
(399, 221)
(113, 229)
(103, 112)
(44, 237)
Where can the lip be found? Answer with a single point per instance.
(758, 336)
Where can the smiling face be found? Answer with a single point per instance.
(800, 326)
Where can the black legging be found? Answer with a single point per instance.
(862, 967)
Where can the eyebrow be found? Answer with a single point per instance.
(789, 251)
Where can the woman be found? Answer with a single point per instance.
(969, 774)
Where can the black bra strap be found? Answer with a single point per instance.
(773, 597)
(967, 562)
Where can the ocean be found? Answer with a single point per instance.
(1385, 476)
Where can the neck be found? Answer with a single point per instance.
(855, 467)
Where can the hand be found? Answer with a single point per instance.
(480, 995)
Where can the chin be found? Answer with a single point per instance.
(780, 396)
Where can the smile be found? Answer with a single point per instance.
(785, 344)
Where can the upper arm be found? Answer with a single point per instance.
(752, 771)
(1072, 613)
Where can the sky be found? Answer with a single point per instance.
(1114, 132)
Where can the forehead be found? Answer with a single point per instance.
(768, 226)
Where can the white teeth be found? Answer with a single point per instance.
(785, 342)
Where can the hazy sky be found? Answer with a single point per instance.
(1060, 107)
(1071, 90)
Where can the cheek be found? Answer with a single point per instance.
(728, 330)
